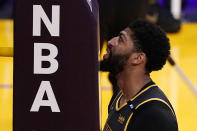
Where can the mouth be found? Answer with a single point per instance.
(107, 55)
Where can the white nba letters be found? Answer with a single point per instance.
(53, 28)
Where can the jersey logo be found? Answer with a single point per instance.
(131, 106)
(121, 119)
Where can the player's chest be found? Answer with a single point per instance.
(119, 118)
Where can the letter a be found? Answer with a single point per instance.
(45, 86)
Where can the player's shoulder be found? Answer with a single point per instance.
(155, 106)
(154, 115)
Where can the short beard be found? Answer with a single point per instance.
(114, 64)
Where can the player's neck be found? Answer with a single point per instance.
(131, 82)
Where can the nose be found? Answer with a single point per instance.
(113, 42)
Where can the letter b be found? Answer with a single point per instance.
(39, 58)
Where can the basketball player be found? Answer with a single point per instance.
(138, 104)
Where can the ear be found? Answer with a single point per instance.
(138, 58)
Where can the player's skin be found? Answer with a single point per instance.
(134, 75)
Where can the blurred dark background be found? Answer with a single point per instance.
(6, 9)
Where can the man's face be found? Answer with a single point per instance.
(119, 50)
